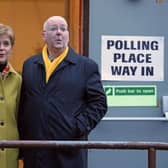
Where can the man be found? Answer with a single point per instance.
(61, 99)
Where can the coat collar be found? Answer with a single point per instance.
(9, 70)
(71, 56)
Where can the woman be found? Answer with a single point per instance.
(10, 83)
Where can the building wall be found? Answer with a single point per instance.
(129, 123)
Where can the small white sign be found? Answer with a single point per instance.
(132, 58)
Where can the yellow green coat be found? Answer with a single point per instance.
(10, 84)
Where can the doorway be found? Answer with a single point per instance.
(27, 17)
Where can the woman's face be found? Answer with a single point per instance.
(5, 48)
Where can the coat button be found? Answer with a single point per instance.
(1, 123)
(1, 98)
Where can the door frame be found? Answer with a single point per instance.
(78, 16)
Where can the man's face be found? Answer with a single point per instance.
(56, 33)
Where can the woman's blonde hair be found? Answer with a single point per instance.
(7, 30)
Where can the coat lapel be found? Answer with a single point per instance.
(69, 59)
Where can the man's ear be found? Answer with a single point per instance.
(44, 35)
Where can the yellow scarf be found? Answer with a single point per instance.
(51, 66)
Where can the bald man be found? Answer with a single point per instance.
(62, 98)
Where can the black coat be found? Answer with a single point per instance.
(68, 107)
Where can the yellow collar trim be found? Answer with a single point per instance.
(51, 66)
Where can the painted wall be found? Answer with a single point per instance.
(129, 18)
